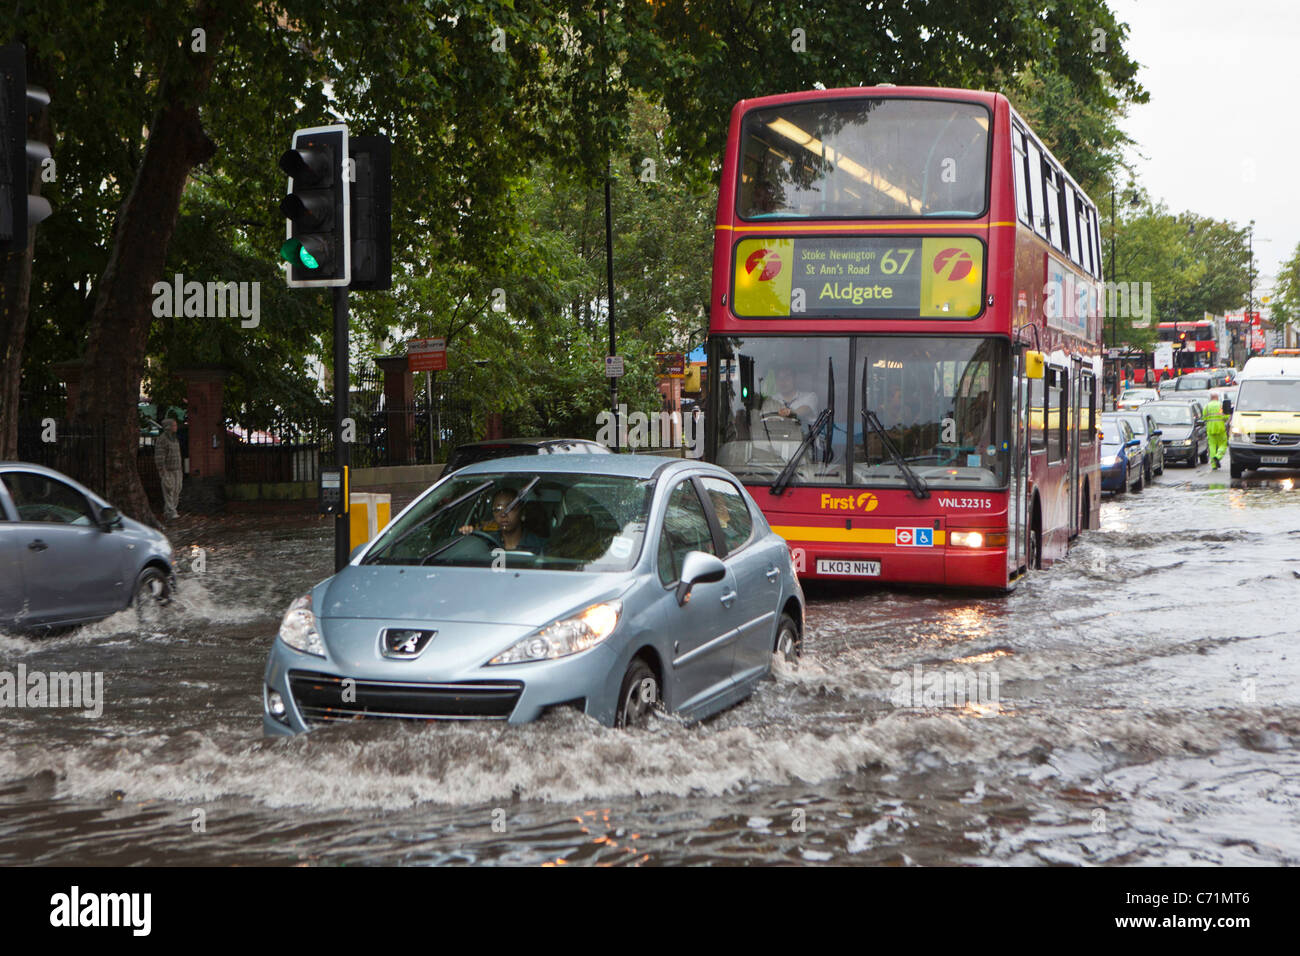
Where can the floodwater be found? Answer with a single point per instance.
(1137, 704)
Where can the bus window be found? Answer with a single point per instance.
(1055, 423)
(1037, 415)
(1019, 165)
(1051, 185)
(857, 158)
(1088, 408)
(1036, 188)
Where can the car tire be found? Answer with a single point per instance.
(1140, 482)
(1123, 483)
(153, 592)
(1146, 473)
(789, 642)
(1205, 456)
(1235, 470)
(638, 696)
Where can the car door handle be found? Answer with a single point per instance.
(728, 599)
(38, 545)
(772, 573)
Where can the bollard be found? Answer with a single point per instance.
(368, 514)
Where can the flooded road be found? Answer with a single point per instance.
(1137, 704)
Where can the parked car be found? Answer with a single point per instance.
(1133, 397)
(1148, 432)
(67, 557)
(1265, 427)
(637, 583)
(1121, 456)
(477, 451)
(1182, 430)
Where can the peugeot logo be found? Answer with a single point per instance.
(404, 643)
(1274, 438)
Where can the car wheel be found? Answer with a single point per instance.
(638, 698)
(153, 592)
(1205, 456)
(1236, 470)
(788, 642)
(1123, 482)
(1146, 473)
(1140, 484)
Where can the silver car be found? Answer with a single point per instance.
(616, 584)
(67, 557)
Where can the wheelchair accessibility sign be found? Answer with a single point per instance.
(914, 537)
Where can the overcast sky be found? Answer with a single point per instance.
(1221, 135)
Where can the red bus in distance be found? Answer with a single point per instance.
(905, 335)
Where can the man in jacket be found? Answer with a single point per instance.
(167, 458)
(1216, 429)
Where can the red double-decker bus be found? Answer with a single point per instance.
(905, 335)
(1196, 343)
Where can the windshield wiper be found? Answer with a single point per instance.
(915, 483)
(783, 479)
(448, 506)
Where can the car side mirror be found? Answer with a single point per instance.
(1227, 406)
(1158, 432)
(109, 517)
(357, 550)
(698, 568)
(1132, 442)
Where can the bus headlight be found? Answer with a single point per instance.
(977, 539)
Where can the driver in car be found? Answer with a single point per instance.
(511, 533)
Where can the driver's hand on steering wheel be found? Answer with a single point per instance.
(466, 529)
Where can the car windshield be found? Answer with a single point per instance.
(1264, 396)
(1170, 414)
(1137, 424)
(562, 522)
(1140, 393)
(1190, 383)
(942, 403)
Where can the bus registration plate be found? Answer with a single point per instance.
(848, 567)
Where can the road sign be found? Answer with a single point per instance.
(426, 355)
(613, 366)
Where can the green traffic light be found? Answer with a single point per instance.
(294, 251)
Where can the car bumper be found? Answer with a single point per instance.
(1187, 453)
(1252, 455)
(1113, 478)
(318, 690)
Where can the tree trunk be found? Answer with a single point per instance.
(15, 299)
(123, 313)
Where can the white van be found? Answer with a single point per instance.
(1270, 366)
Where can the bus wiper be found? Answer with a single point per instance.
(783, 479)
(448, 506)
(915, 483)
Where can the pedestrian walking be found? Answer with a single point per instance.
(167, 458)
(1216, 429)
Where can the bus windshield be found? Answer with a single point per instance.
(860, 158)
(939, 401)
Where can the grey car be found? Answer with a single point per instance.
(1153, 449)
(67, 557)
(615, 584)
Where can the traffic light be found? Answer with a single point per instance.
(372, 212)
(19, 210)
(317, 244)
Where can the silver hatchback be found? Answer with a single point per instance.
(616, 584)
(67, 557)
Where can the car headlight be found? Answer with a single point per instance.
(568, 636)
(298, 628)
(1238, 431)
(1110, 461)
(1185, 441)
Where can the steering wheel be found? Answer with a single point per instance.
(492, 543)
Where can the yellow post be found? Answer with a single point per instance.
(368, 514)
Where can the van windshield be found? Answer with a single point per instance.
(1263, 396)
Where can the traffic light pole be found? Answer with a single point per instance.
(342, 390)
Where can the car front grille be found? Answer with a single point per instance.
(1265, 438)
(321, 699)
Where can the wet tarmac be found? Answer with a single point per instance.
(1139, 703)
